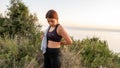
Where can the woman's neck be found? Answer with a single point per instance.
(54, 25)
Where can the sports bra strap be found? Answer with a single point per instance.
(56, 26)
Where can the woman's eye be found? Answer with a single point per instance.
(50, 21)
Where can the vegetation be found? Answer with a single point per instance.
(18, 21)
(94, 53)
(20, 44)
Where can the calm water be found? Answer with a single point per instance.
(111, 36)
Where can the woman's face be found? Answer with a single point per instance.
(52, 21)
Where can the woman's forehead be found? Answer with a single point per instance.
(51, 19)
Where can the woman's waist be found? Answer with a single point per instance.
(52, 44)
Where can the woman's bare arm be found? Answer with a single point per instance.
(66, 37)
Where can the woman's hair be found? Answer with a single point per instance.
(52, 14)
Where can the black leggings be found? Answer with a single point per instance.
(52, 58)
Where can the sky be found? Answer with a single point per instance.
(103, 14)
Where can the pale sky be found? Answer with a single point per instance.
(76, 13)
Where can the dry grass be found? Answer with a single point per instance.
(70, 59)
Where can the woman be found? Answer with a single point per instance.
(54, 35)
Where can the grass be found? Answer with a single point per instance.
(86, 53)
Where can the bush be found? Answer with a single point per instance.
(94, 53)
(23, 55)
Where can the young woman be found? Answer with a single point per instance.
(54, 35)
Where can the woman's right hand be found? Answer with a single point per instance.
(42, 36)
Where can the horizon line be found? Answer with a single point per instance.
(93, 29)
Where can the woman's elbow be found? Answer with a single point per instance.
(70, 42)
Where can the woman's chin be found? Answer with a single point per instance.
(52, 25)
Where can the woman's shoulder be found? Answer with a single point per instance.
(60, 27)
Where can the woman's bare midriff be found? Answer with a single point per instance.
(52, 44)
